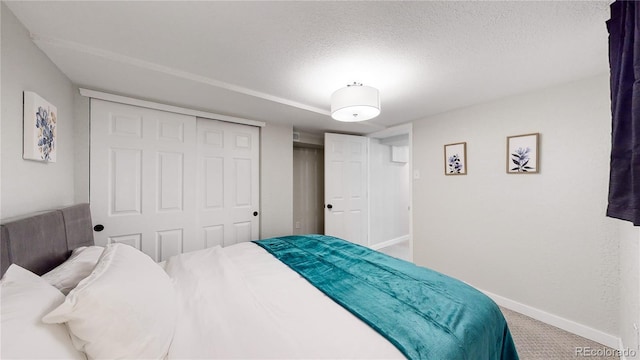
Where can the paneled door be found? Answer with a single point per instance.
(143, 178)
(346, 187)
(228, 182)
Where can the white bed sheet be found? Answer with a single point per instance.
(241, 302)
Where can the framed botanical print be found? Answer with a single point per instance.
(455, 159)
(40, 128)
(522, 154)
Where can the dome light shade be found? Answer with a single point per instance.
(355, 103)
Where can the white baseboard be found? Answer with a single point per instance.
(622, 352)
(625, 351)
(573, 327)
(391, 242)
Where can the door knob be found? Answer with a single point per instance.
(98, 227)
(329, 206)
(255, 213)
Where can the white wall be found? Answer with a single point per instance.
(543, 239)
(629, 287)
(389, 195)
(30, 186)
(276, 180)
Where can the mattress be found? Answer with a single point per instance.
(321, 297)
(240, 302)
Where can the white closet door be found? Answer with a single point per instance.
(346, 187)
(143, 178)
(228, 182)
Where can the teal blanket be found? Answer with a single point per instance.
(425, 314)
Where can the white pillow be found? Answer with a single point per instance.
(25, 299)
(78, 266)
(126, 308)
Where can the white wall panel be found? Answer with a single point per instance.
(170, 179)
(243, 141)
(213, 182)
(355, 179)
(125, 125)
(169, 243)
(126, 181)
(242, 183)
(213, 235)
(134, 240)
(213, 138)
(170, 131)
(242, 233)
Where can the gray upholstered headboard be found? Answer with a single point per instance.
(42, 242)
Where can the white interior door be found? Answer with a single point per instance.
(228, 182)
(142, 178)
(346, 187)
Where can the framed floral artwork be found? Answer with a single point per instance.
(40, 128)
(455, 159)
(522, 154)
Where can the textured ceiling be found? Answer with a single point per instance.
(280, 61)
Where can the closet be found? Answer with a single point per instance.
(168, 183)
(308, 189)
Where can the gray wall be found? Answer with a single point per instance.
(541, 240)
(30, 186)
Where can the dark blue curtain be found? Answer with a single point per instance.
(624, 61)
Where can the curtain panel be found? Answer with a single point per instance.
(624, 62)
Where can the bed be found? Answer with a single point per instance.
(289, 297)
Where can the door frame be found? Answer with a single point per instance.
(405, 129)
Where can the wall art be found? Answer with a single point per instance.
(455, 159)
(40, 128)
(522, 154)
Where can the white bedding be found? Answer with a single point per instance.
(241, 302)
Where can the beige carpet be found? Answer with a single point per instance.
(536, 340)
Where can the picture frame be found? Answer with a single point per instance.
(39, 128)
(455, 159)
(523, 154)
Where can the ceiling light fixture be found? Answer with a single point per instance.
(355, 103)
